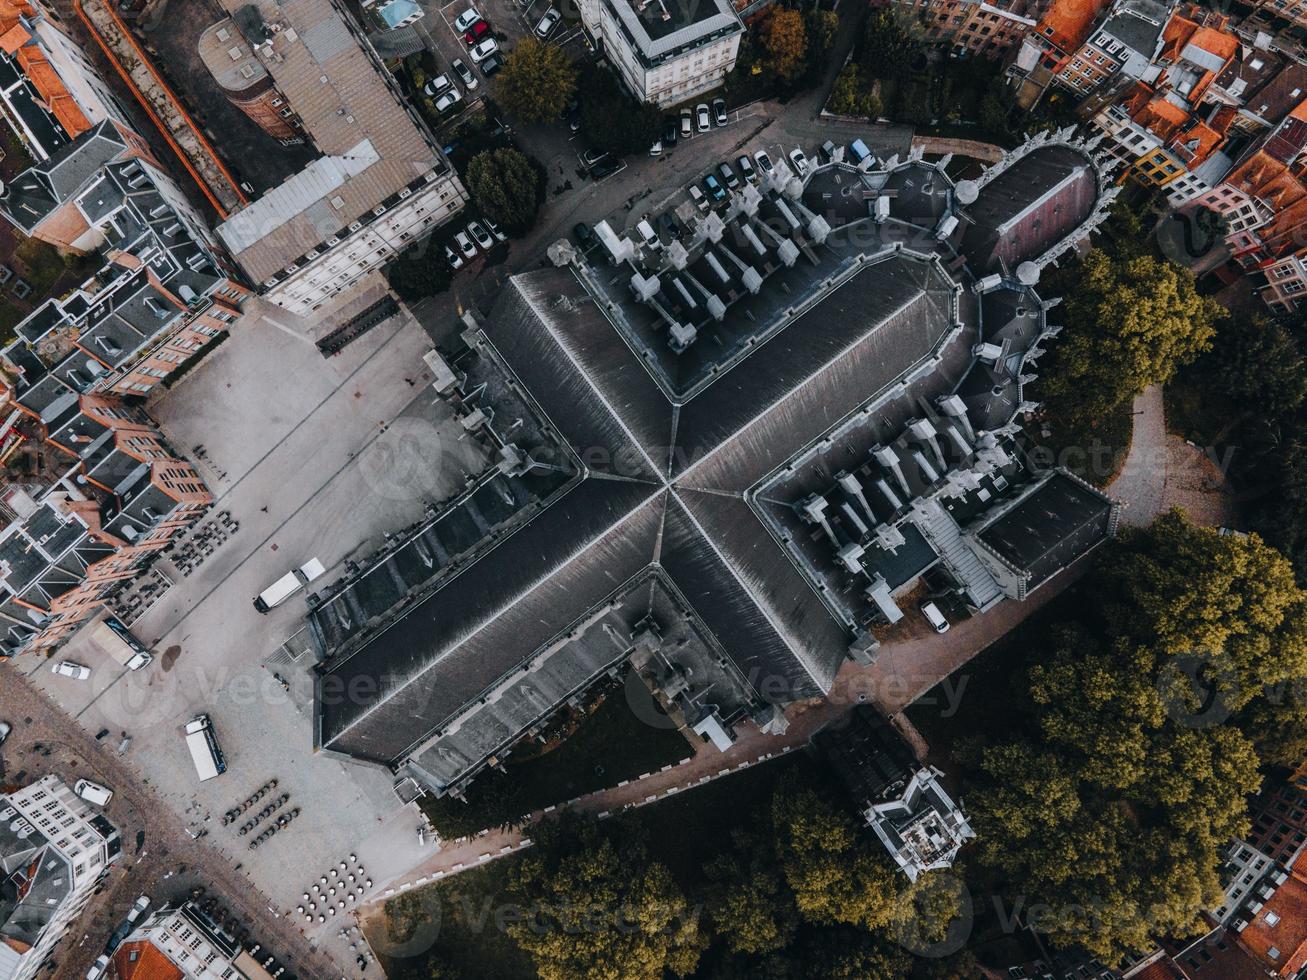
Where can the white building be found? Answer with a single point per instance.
(54, 848)
(184, 944)
(666, 51)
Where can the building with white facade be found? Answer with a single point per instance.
(379, 185)
(666, 51)
(54, 849)
(183, 944)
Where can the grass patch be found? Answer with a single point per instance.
(610, 745)
(42, 264)
(10, 316)
(684, 833)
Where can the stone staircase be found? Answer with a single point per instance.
(943, 532)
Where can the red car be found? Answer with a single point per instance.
(476, 32)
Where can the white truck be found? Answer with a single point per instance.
(286, 586)
(114, 639)
(205, 753)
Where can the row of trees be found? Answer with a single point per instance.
(1148, 718)
(798, 891)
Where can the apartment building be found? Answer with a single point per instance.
(183, 943)
(380, 185)
(974, 27)
(54, 850)
(49, 92)
(665, 51)
(1292, 12)
(122, 495)
(165, 292)
(246, 83)
(1045, 49)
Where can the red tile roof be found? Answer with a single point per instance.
(1070, 22)
(149, 964)
(34, 64)
(1288, 936)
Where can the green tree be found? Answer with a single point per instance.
(506, 186)
(785, 41)
(601, 908)
(888, 49)
(821, 27)
(850, 95)
(421, 270)
(537, 81)
(749, 903)
(1130, 324)
(611, 120)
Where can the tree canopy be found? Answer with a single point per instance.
(506, 185)
(419, 271)
(785, 41)
(611, 120)
(537, 81)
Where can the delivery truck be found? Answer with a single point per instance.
(286, 586)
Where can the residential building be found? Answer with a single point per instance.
(1292, 12)
(1049, 46)
(665, 51)
(975, 27)
(381, 183)
(721, 378)
(49, 92)
(183, 943)
(902, 801)
(54, 850)
(165, 292)
(123, 496)
(247, 85)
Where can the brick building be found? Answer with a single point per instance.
(974, 27)
(231, 61)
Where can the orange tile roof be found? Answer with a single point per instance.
(1071, 21)
(1219, 43)
(1289, 935)
(150, 964)
(14, 37)
(1162, 969)
(34, 64)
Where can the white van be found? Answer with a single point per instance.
(93, 792)
(286, 586)
(934, 617)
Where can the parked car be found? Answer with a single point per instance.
(714, 188)
(484, 50)
(494, 230)
(657, 149)
(687, 123)
(93, 792)
(859, 151)
(453, 258)
(669, 132)
(719, 111)
(464, 74)
(466, 19)
(605, 168)
(826, 152)
(764, 163)
(66, 668)
(465, 245)
(697, 197)
(800, 161)
(704, 119)
(98, 968)
(583, 234)
(547, 22)
(480, 235)
(492, 65)
(667, 226)
(592, 157)
(448, 100)
(475, 33)
(437, 86)
(746, 168)
(5, 729)
(934, 617)
(647, 234)
(138, 908)
(728, 176)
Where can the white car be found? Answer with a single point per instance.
(494, 230)
(800, 162)
(448, 100)
(465, 74)
(764, 163)
(66, 668)
(138, 908)
(98, 968)
(453, 258)
(703, 117)
(4, 731)
(699, 198)
(93, 792)
(484, 50)
(464, 21)
(547, 22)
(480, 235)
(465, 245)
(437, 86)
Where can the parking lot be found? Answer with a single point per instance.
(313, 458)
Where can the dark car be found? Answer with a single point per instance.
(728, 176)
(670, 130)
(714, 188)
(719, 111)
(605, 168)
(475, 33)
(583, 234)
(826, 152)
(491, 65)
